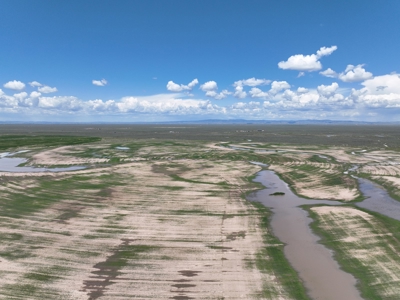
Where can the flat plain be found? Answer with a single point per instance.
(160, 211)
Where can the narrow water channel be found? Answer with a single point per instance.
(378, 199)
(319, 272)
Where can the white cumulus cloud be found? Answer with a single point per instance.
(302, 90)
(354, 73)
(46, 89)
(327, 90)
(35, 94)
(174, 87)
(301, 62)
(277, 86)
(102, 82)
(385, 84)
(21, 96)
(329, 73)
(257, 93)
(14, 85)
(324, 51)
(218, 96)
(239, 93)
(251, 82)
(209, 86)
(35, 84)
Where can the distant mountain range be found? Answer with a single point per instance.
(218, 121)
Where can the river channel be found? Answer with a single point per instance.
(378, 199)
(319, 272)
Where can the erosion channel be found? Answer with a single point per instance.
(320, 273)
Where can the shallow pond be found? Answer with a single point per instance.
(10, 164)
(320, 273)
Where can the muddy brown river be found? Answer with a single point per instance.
(319, 272)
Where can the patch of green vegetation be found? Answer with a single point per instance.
(295, 175)
(191, 212)
(16, 141)
(216, 247)
(171, 188)
(20, 290)
(277, 194)
(335, 180)
(93, 236)
(228, 156)
(166, 257)
(124, 254)
(117, 217)
(179, 178)
(170, 169)
(205, 213)
(307, 168)
(318, 159)
(4, 237)
(16, 204)
(14, 253)
(249, 263)
(110, 231)
(80, 254)
(40, 277)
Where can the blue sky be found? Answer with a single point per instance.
(121, 61)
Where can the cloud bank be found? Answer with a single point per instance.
(354, 93)
(378, 96)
